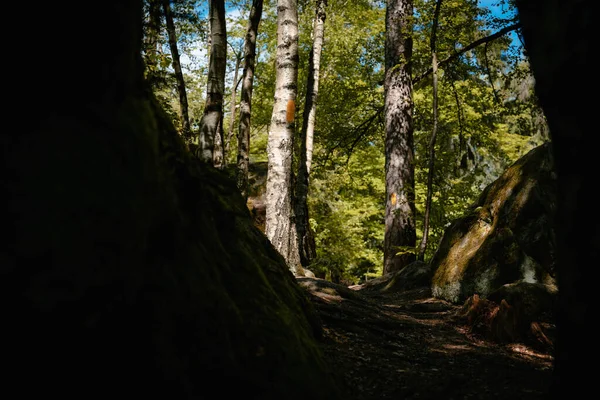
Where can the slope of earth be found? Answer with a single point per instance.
(409, 345)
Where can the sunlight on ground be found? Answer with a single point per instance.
(521, 350)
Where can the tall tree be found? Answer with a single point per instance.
(246, 96)
(183, 102)
(305, 239)
(211, 126)
(279, 223)
(434, 67)
(400, 233)
(232, 103)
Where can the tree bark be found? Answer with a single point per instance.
(183, 103)
(246, 97)
(306, 243)
(560, 38)
(211, 126)
(280, 223)
(400, 234)
(431, 164)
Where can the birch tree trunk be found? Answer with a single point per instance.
(280, 223)
(246, 97)
(430, 170)
(400, 234)
(211, 126)
(305, 238)
(183, 103)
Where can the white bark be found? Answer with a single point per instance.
(280, 226)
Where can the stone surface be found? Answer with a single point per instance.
(506, 237)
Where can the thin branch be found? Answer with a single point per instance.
(476, 43)
(361, 130)
(489, 73)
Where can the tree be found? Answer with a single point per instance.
(246, 96)
(400, 232)
(305, 238)
(183, 102)
(232, 104)
(280, 224)
(566, 28)
(434, 68)
(211, 126)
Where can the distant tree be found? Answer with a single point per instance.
(306, 243)
(239, 56)
(434, 68)
(246, 96)
(183, 102)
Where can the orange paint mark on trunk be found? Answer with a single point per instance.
(291, 111)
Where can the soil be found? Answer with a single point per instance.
(409, 345)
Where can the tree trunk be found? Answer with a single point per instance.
(238, 59)
(400, 234)
(306, 242)
(434, 66)
(183, 103)
(560, 38)
(246, 97)
(211, 126)
(280, 223)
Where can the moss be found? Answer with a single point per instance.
(505, 237)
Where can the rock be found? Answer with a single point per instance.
(416, 274)
(130, 269)
(506, 237)
(519, 312)
(308, 273)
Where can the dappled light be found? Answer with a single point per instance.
(388, 344)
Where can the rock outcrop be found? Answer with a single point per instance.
(506, 237)
(129, 269)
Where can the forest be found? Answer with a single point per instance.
(292, 199)
(486, 117)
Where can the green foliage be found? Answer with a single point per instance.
(345, 207)
(488, 117)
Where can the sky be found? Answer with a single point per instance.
(498, 10)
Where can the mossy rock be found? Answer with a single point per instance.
(137, 270)
(507, 236)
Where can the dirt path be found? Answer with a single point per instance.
(411, 346)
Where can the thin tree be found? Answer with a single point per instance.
(232, 103)
(280, 223)
(211, 125)
(400, 233)
(183, 103)
(305, 239)
(246, 97)
(434, 68)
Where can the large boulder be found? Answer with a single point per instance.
(507, 236)
(129, 269)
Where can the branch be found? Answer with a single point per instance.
(476, 43)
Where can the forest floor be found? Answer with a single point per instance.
(409, 345)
